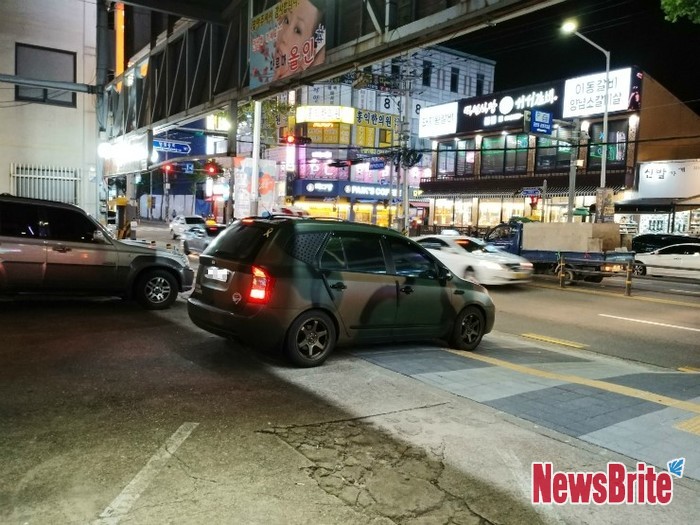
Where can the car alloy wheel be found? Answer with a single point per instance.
(157, 290)
(310, 339)
(468, 329)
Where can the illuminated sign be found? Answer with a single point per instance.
(279, 49)
(375, 119)
(506, 109)
(585, 96)
(343, 114)
(435, 121)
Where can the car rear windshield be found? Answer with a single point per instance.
(194, 220)
(240, 242)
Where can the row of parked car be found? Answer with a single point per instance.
(301, 284)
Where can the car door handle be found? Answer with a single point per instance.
(62, 249)
(338, 286)
(406, 289)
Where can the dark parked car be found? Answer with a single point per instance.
(197, 238)
(51, 247)
(648, 242)
(305, 285)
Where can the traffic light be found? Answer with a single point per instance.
(168, 169)
(212, 169)
(293, 140)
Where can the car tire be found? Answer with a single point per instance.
(156, 290)
(310, 339)
(185, 248)
(469, 328)
(639, 270)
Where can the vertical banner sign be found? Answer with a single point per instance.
(286, 39)
(604, 205)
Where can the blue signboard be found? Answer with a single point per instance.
(172, 146)
(531, 192)
(377, 164)
(541, 122)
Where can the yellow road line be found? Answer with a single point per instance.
(620, 295)
(547, 339)
(690, 369)
(593, 383)
(691, 425)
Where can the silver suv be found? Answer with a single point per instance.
(51, 247)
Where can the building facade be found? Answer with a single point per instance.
(524, 152)
(48, 136)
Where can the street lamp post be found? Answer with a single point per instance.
(570, 27)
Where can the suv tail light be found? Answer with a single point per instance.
(261, 286)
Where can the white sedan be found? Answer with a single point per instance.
(184, 222)
(677, 260)
(474, 259)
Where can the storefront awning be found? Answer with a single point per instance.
(657, 205)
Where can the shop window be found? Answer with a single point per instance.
(554, 152)
(45, 64)
(516, 153)
(504, 154)
(466, 155)
(446, 155)
(616, 144)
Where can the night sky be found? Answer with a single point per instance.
(532, 49)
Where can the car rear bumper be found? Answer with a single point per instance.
(263, 329)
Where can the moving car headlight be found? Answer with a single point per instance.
(491, 265)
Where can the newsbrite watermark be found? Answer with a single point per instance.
(614, 486)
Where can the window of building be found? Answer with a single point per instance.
(395, 68)
(516, 153)
(492, 153)
(466, 155)
(554, 152)
(427, 72)
(616, 143)
(480, 82)
(45, 64)
(454, 80)
(446, 159)
(504, 154)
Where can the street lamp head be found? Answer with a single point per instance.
(569, 26)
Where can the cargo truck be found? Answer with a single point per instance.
(589, 251)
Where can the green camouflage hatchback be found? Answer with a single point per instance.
(307, 285)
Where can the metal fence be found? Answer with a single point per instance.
(46, 182)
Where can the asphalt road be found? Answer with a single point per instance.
(112, 414)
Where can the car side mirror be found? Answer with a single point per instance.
(444, 274)
(98, 237)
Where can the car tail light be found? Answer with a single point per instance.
(261, 286)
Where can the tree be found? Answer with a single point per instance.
(675, 9)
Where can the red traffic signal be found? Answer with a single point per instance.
(168, 169)
(294, 140)
(212, 169)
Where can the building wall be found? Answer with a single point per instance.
(42, 134)
(663, 116)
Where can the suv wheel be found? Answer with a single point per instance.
(310, 339)
(468, 329)
(156, 290)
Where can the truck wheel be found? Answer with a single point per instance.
(468, 329)
(310, 339)
(569, 275)
(639, 270)
(156, 290)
